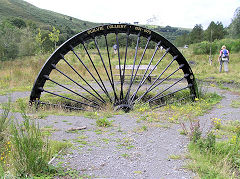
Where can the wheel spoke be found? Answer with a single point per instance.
(156, 96)
(85, 61)
(102, 100)
(47, 77)
(134, 61)
(46, 91)
(103, 88)
(110, 67)
(142, 80)
(164, 79)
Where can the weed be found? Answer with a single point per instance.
(189, 111)
(82, 137)
(216, 159)
(139, 107)
(175, 157)
(125, 155)
(144, 128)
(216, 123)
(182, 132)
(193, 132)
(98, 131)
(4, 121)
(137, 172)
(83, 142)
(5, 144)
(57, 146)
(119, 129)
(130, 146)
(106, 140)
(125, 142)
(235, 103)
(91, 115)
(103, 122)
(47, 130)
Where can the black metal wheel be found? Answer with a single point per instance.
(116, 64)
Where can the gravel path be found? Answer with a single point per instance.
(129, 149)
(223, 110)
(122, 151)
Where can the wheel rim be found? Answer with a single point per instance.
(88, 66)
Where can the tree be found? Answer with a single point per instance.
(197, 34)
(9, 39)
(18, 22)
(54, 36)
(182, 40)
(234, 27)
(215, 31)
(39, 39)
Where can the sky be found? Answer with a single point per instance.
(175, 13)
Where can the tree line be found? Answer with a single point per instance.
(19, 37)
(214, 33)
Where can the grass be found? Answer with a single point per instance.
(5, 145)
(180, 112)
(19, 75)
(25, 149)
(206, 72)
(103, 122)
(30, 151)
(235, 103)
(175, 157)
(212, 158)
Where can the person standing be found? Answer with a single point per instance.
(115, 48)
(223, 59)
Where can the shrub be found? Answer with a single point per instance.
(204, 47)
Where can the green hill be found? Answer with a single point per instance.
(26, 11)
(171, 33)
(29, 12)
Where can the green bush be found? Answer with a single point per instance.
(204, 47)
(103, 122)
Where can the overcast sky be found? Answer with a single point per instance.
(176, 13)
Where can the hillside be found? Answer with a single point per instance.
(27, 11)
(171, 33)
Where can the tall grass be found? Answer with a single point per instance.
(25, 150)
(30, 149)
(215, 159)
(20, 74)
(4, 121)
(206, 72)
(4, 143)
